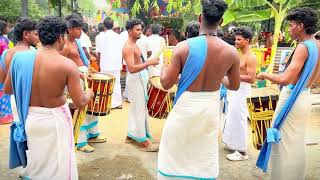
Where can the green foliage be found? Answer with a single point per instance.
(11, 9)
(175, 23)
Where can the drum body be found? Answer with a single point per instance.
(160, 101)
(261, 111)
(102, 86)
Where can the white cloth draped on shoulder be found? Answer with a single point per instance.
(288, 157)
(235, 132)
(191, 130)
(51, 153)
(138, 128)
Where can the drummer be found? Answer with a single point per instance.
(236, 125)
(89, 132)
(138, 129)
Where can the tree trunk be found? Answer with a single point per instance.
(49, 7)
(24, 8)
(59, 8)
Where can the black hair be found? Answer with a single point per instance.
(23, 24)
(3, 26)
(108, 23)
(317, 36)
(85, 27)
(155, 28)
(101, 27)
(74, 20)
(213, 10)
(176, 34)
(192, 29)
(220, 33)
(305, 15)
(132, 22)
(50, 28)
(243, 31)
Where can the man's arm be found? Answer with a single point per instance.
(7, 89)
(232, 81)
(78, 96)
(170, 72)
(251, 70)
(128, 56)
(294, 69)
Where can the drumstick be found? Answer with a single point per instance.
(85, 81)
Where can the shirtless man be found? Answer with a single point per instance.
(288, 155)
(26, 35)
(236, 126)
(189, 141)
(70, 49)
(38, 80)
(89, 129)
(138, 129)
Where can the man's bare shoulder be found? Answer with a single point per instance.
(66, 63)
(182, 47)
(229, 50)
(128, 48)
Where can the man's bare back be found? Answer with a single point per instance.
(71, 51)
(222, 59)
(50, 75)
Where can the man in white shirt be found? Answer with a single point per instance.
(85, 40)
(144, 45)
(156, 42)
(109, 57)
(99, 37)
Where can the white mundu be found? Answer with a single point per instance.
(138, 128)
(191, 130)
(293, 144)
(235, 132)
(51, 152)
(111, 61)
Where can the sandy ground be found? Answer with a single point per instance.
(117, 160)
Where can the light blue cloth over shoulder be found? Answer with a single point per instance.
(82, 53)
(21, 71)
(194, 64)
(273, 133)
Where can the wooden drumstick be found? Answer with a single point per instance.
(85, 81)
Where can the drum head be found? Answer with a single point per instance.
(101, 76)
(155, 81)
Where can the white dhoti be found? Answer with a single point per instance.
(116, 99)
(138, 128)
(288, 157)
(235, 132)
(51, 154)
(189, 141)
(89, 129)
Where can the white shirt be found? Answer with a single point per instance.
(144, 46)
(110, 47)
(99, 41)
(85, 41)
(155, 43)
